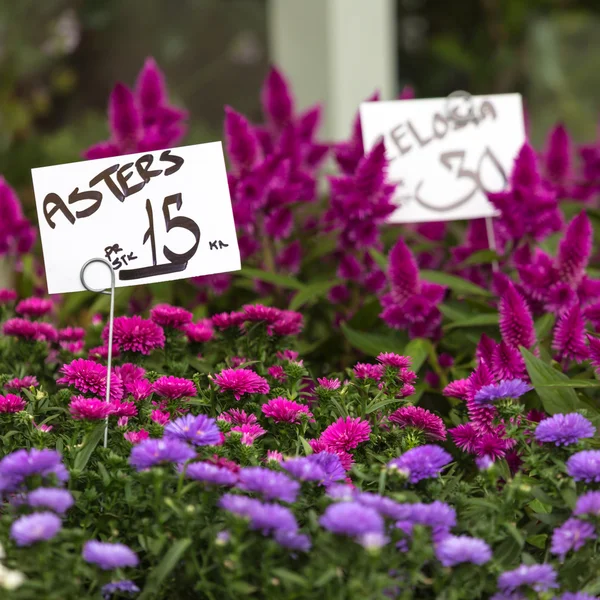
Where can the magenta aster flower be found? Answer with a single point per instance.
(423, 462)
(584, 465)
(89, 409)
(290, 355)
(7, 296)
(572, 535)
(34, 307)
(492, 444)
(138, 390)
(352, 519)
(71, 334)
(563, 430)
(45, 332)
(277, 373)
(109, 556)
(456, 549)
(20, 328)
(250, 432)
(123, 409)
(394, 360)
(240, 382)
(200, 332)
(55, 499)
(287, 411)
(368, 371)
(11, 404)
(200, 430)
(129, 373)
(134, 334)
(513, 388)
(539, 578)
(465, 437)
(160, 417)
(89, 377)
(421, 419)
(458, 389)
(329, 384)
(211, 474)
(152, 452)
(135, 437)
(588, 504)
(271, 485)
(174, 388)
(237, 417)
(18, 384)
(289, 323)
(259, 312)
(346, 433)
(166, 315)
(38, 527)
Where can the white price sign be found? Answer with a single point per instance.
(155, 216)
(446, 152)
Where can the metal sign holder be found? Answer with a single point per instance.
(110, 292)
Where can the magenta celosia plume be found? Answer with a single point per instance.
(516, 322)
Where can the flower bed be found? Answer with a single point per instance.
(364, 412)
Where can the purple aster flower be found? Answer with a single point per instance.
(563, 430)
(330, 464)
(440, 516)
(109, 556)
(582, 466)
(209, 473)
(264, 516)
(55, 499)
(341, 491)
(37, 527)
(166, 315)
(293, 540)
(572, 535)
(352, 518)
(125, 587)
(153, 452)
(588, 504)
(575, 596)
(540, 578)
(200, 430)
(270, 484)
(16, 467)
(385, 506)
(304, 469)
(134, 334)
(174, 388)
(423, 462)
(456, 549)
(513, 388)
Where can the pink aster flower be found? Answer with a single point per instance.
(249, 432)
(123, 409)
(329, 384)
(277, 373)
(135, 437)
(200, 332)
(34, 307)
(240, 382)
(346, 434)
(457, 389)
(227, 320)
(138, 390)
(43, 428)
(89, 409)
(7, 296)
(419, 418)
(88, 376)
(71, 334)
(134, 334)
(288, 355)
(20, 328)
(274, 455)
(368, 371)
(259, 312)
(160, 417)
(237, 417)
(73, 347)
(289, 323)
(174, 388)
(287, 411)
(122, 421)
(45, 332)
(11, 404)
(101, 352)
(130, 372)
(391, 359)
(166, 315)
(26, 382)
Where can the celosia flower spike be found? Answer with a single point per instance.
(516, 322)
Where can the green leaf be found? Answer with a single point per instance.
(417, 349)
(330, 574)
(481, 257)
(544, 325)
(313, 291)
(373, 343)
(289, 577)
(456, 284)
(555, 400)
(89, 445)
(380, 404)
(285, 281)
(476, 321)
(539, 540)
(379, 258)
(573, 383)
(164, 567)
(452, 313)
(307, 449)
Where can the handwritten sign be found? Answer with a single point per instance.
(155, 216)
(446, 152)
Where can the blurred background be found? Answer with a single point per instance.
(59, 59)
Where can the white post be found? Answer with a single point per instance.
(335, 51)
